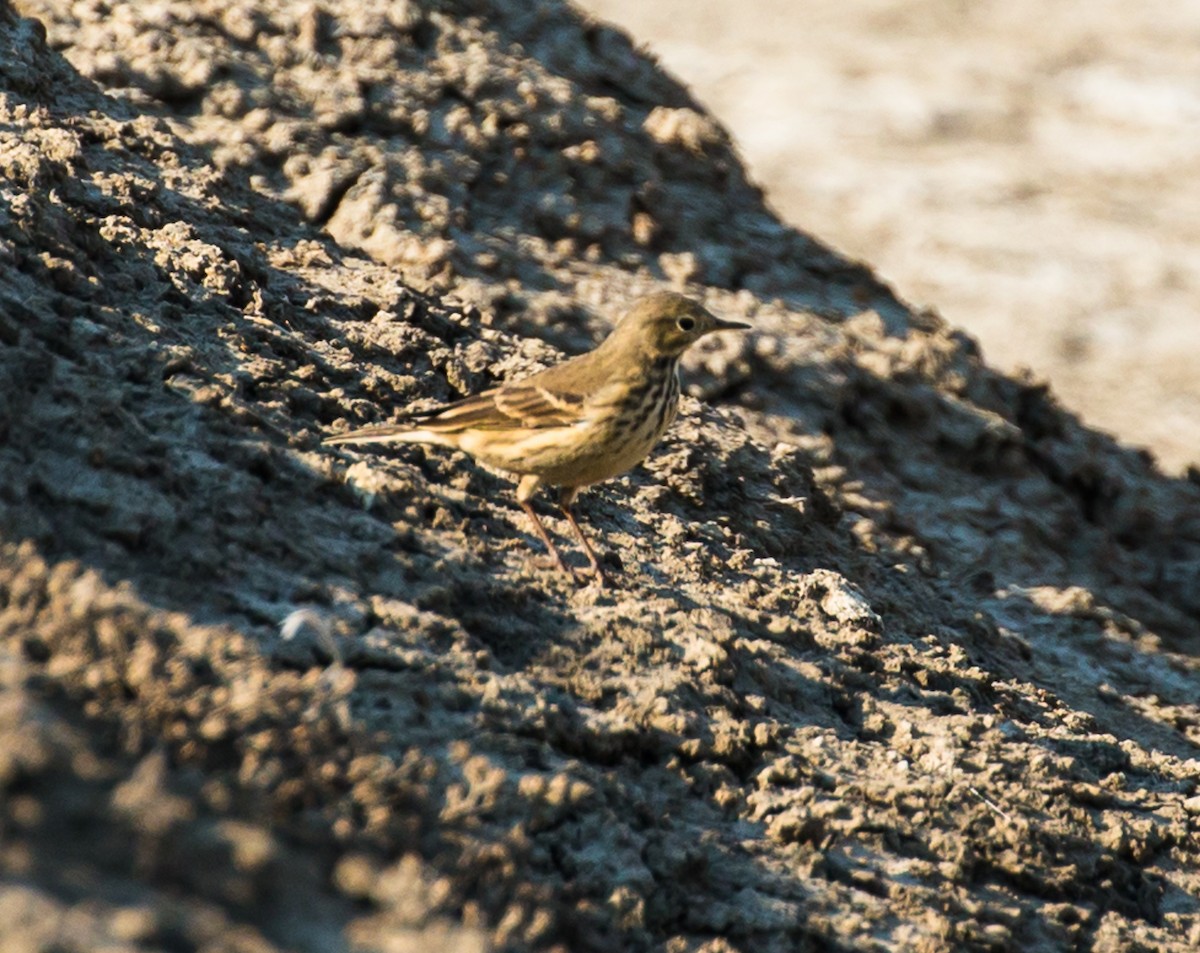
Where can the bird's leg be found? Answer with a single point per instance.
(545, 537)
(565, 501)
(525, 491)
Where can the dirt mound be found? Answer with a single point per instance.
(902, 654)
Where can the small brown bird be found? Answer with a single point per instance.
(577, 423)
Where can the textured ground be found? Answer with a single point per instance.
(902, 656)
(1030, 169)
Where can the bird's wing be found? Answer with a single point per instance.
(524, 404)
(555, 397)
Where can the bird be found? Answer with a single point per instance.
(577, 423)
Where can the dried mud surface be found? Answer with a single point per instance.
(902, 655)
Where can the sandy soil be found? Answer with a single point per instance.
(901, 656)
(1030, 170)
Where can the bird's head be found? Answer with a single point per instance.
(667, 324)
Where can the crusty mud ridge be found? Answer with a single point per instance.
(902, 656)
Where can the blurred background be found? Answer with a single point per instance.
(1029, 170)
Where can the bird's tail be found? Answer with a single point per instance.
(387, 433)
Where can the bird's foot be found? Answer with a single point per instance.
(604, 569)
(546, 561)
(587, 576)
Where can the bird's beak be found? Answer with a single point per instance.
(720, 324)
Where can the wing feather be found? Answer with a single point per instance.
(515, 405)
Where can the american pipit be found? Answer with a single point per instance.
(577, 423)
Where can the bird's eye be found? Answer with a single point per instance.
(686, 324)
